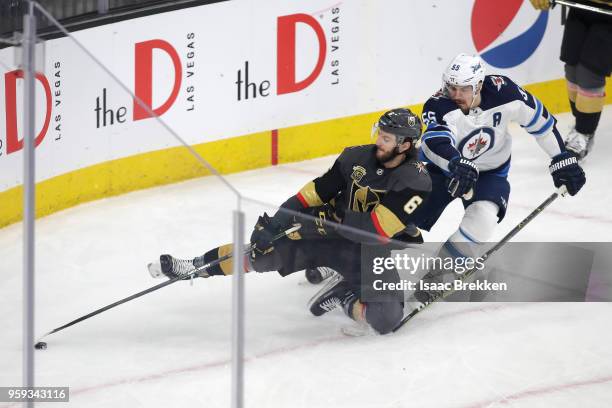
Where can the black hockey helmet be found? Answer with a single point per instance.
(401, 122)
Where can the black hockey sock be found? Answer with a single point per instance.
(586, 123)
(573, 106)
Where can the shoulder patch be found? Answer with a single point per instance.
(498, 81)
(420, 167)
(413, 175)
(358, 173)
(498, 90)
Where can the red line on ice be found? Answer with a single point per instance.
(204, 366)
(568, 215)
(538, 392)
(327, 340)
(269, 353)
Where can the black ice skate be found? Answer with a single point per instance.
(171, 268)
(336, 293)
(319, 274)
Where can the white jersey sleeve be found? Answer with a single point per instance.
(537, 121)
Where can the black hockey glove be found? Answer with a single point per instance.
(410, 235)
(264, 232)
(464, 174)
(565, 169)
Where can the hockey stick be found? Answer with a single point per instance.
(195, 273)
(580, 6)
(442, 294)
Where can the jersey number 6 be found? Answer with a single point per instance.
(412, 204)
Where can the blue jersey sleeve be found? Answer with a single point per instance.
(439, 141)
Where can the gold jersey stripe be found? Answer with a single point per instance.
(309, 195)
(388, 222)
(226, 266)
(589, 104)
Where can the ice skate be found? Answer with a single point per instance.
(332, 295)
(319, 274)
(579, 143)
(170, 267)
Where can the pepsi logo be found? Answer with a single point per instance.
(490, 19)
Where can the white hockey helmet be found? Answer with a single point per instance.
(464, 70)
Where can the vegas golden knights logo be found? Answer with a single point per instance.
(364, 199)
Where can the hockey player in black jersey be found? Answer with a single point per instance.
(375, 190)
(586, 50)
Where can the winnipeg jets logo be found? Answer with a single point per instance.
(498, 82)
(439, 94)
(477, 143)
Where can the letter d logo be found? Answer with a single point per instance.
(13, 143)
(144, 77)
(285, 60)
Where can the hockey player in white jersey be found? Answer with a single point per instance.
(468, 149)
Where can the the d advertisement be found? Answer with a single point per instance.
(214, 72)
(196, 74)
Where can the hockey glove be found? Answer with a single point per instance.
(464, 174)
(411, 235)
(264, 232)
(565, 169)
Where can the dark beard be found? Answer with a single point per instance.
(388, 157)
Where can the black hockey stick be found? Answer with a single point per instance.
(442, 294)
(195, 273)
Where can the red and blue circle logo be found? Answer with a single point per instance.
(489, 21)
